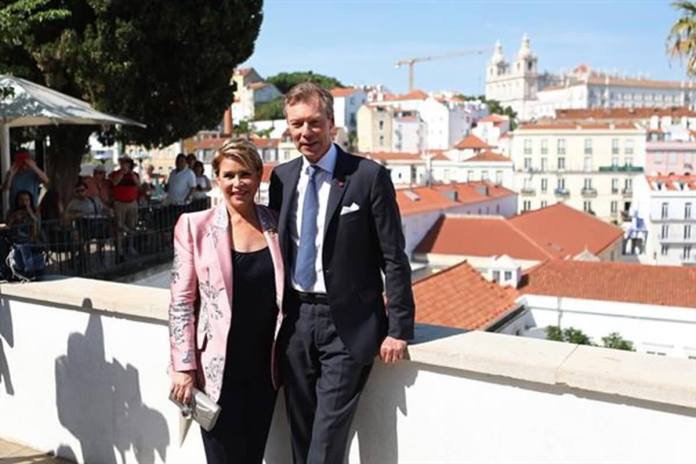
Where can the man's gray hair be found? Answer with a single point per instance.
(305, 92)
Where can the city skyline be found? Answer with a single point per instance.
(627, 37)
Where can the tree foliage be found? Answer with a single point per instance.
(284, 81)
(166, 64)
(494, 107)
(578, 337)
(681, 40)
(269, 110)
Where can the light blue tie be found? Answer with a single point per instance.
(305, 264)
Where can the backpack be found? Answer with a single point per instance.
(26, 261)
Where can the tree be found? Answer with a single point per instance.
(616, 341)
(272, 109)
(681, 41)
(284, 81)
(151, 61)
(494, 107)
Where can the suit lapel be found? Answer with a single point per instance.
(339, 184)
(220, 235)
(289, 192)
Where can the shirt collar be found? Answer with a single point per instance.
(327, 162)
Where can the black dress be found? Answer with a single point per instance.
(247, 397)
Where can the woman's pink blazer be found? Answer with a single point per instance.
(200, 310)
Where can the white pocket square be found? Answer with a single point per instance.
(350, 209)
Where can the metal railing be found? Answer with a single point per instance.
(94, 247)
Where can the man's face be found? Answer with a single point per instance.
(80, 191)
(180, 163)
(310, 128)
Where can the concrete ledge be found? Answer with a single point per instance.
(629, 375)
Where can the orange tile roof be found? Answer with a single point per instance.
(262, 142)
(564, 231)
(343, 91)
(623, 113)
(433, 198)
(577, 126)
(489, 156)
(438, 155)
(614, 281)
(672, 181)
(460, 297)
(412, 95)
(494, 118)
(479, 236)
(472, 142)
(267, 170)
(392, 156)
(210, 143)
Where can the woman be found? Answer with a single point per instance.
(24, 220)
(202, 182)
(228, 267)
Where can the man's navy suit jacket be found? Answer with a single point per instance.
(358, 247)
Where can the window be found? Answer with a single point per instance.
(544, 164)
(544, 147)
(560, 146)
(588, 146)
(672, 158)
(526, 205)
(628, 185)
(496, 276)
(687, 210)
(665, 210)
(687, 252)
(508, 275)
(560, 184)
(499, 177)
(628, 161)
(614, 146)
(381, 125)
(527, 164)
(588, 164)
(544, 203)
(381, 140)
(484, 175)
(628, 148)
(614, 206)
(544, 184)
(527, 146)
(615, 185)
(497, 209)
(587, 206)
(561, 163)
(469, 175)
(614, 161)
(587, 184)
(657, 158)
(665, 231)
(687, 231)
(664, 250)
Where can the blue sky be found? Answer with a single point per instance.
(358, 41)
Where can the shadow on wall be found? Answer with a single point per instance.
(100, 403)
(7, 335)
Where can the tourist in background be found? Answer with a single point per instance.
(232, 248)
(203, 185)
(125, 192)
(24, 175)
(98, 186)
(24, 219)
(181, 182)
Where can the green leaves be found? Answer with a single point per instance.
(681, 41)
(284, 81)
(578, 337)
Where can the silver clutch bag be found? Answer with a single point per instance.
(201, 409)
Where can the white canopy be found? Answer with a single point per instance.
(30, 104)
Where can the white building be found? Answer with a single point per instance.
(589, 166)
(251, 90)
(665, 207)
(654, 307)
(532, 94)
(491, 128)
(347, 101)
(484, 166)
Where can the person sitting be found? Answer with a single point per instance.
(203, 185)
(82, 206)
(24, 219)
(24, 175)
(98, 186)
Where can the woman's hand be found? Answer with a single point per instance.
(182, 386)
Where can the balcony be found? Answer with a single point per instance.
(528, 192)
(589, 192)
(625, 168)
(91, 392)
(627, 192)
(561, 192)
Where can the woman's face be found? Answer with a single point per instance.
(238, 183)
(198, 169)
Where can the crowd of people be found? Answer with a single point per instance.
(102, 205)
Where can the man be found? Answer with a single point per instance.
(125, 191)
(24, 175)
(98, 186)
(340, 228)
(181, 182)
(82, 205)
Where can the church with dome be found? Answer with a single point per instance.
(533, 94)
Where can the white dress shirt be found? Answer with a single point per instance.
(323, 182)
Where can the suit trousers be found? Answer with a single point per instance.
(322, 385)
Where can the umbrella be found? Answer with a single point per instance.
(30, 104)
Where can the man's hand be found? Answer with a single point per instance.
(392, 350)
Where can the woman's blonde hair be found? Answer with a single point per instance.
(240, 150)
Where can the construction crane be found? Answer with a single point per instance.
(412, 61)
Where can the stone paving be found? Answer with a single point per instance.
(13, 453)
